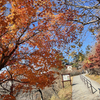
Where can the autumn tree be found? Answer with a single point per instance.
(77, 58)
(29, 31)
(93, 61)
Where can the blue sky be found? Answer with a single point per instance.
(89, 39)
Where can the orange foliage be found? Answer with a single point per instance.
(8, 97)
(29, 31)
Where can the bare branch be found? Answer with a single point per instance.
(87, 22)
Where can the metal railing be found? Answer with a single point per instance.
(88, 83)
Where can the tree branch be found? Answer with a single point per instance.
(93, 21)
(85, 7)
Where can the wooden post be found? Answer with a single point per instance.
(70, 82)
(63, 84)
(62, 81)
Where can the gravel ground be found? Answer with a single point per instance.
(81, 92)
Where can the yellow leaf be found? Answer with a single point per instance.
(73, 46)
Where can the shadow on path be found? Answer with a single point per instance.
(74, 84)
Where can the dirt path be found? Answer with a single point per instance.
(81, 92)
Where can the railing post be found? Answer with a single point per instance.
(87, 83)
(84, 80)
(91, 87)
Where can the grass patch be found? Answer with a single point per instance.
(64, 93)
(94, 77)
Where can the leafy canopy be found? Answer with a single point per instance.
(29, 31)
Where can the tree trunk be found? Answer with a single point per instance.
(41, 94)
